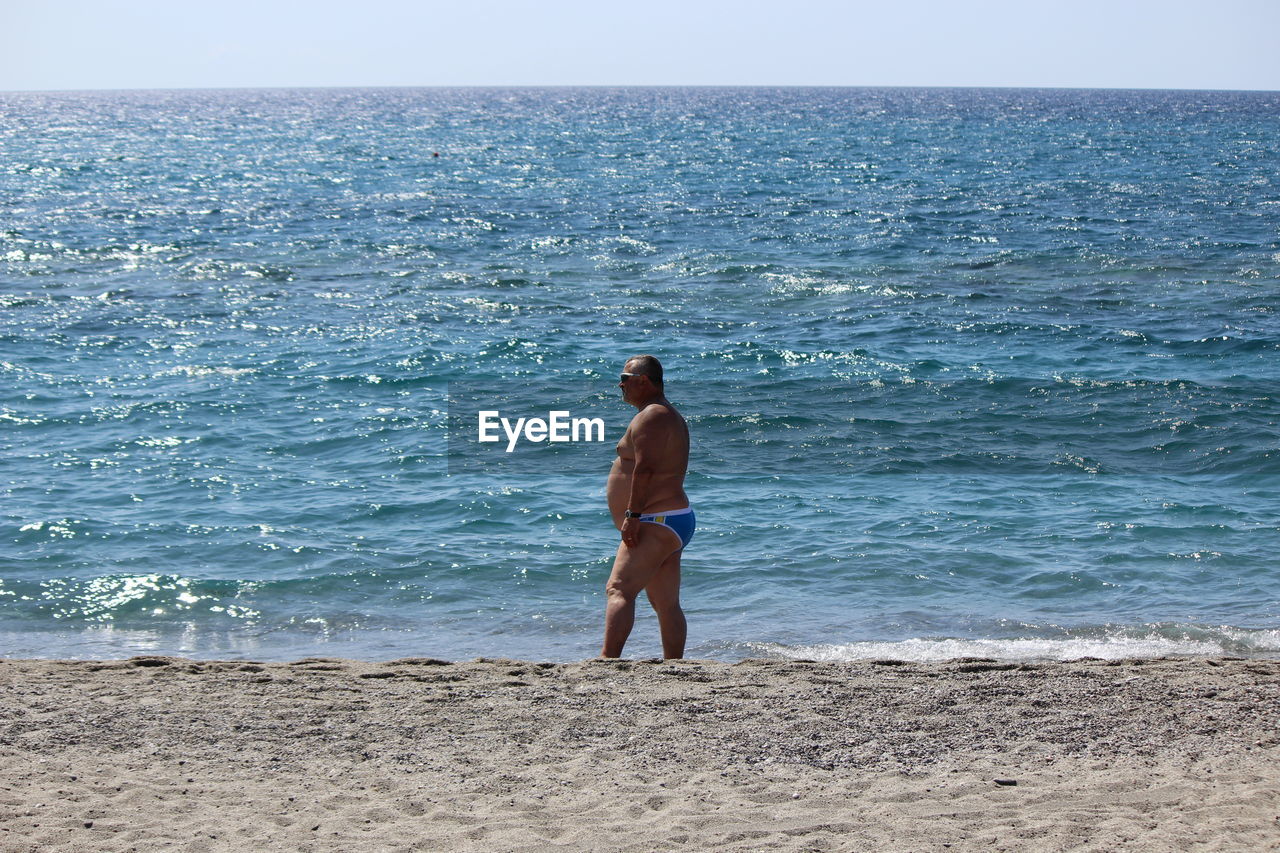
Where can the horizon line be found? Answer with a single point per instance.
(499, 86)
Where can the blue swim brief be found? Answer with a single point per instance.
(681, 522)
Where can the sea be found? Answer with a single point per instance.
(968, 372)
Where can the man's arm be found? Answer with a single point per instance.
(648, 442)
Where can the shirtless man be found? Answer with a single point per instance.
(647, 500)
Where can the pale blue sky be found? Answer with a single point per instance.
(126, 44)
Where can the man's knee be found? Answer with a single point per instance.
(616, 589)
(663, 602)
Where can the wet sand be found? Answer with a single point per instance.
(416, 754)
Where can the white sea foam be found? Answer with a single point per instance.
(1226, 641)
(194, 370)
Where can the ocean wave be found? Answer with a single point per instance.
(1155, 641)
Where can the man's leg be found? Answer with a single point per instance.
(664, 595)
(633, 568)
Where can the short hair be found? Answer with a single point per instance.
(647, 365)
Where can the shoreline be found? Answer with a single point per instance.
(496, 754)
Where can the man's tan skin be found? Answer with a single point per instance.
(647, 476)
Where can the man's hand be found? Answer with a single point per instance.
(630, 531)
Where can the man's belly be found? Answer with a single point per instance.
(617, 491)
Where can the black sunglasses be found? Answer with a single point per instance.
(627, 376)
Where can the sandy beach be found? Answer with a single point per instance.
(418, 754)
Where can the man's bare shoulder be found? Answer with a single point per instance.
(657, 415)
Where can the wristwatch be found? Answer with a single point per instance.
(630, 514)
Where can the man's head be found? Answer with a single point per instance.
(641, 379)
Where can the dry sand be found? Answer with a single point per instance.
(172, 754)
